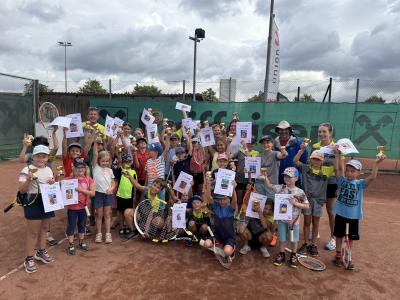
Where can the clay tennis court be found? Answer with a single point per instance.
(141, 270)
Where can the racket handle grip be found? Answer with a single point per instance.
(210, 231)
(87, 211)
(201, 243)
(11, 205)
(291, 235)
(347, 228)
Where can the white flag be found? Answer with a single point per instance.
(274, 66)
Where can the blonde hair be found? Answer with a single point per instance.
(102, 154)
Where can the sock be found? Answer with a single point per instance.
(29, 257)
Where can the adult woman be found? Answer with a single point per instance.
(325, 136)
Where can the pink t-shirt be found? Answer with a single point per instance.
(83, 200)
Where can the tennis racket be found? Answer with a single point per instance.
(47, 113)
(309, 262)
(154, 222)
(346, 250)
(219, 253)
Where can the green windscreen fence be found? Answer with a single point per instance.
(15, 118)
(367, 125)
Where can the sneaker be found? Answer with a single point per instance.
(338, 259)
(245, 249)
(99, 238)
(304, 249)
(122, 232)
(71, 249)
(108, 238)
(30, 265)
(293, 262)
(264, 252)
(43, 256)
(350, 266)
(280, 258)
(50, 240)
(83, 246)
(313, 250)
(331, 245)
(274, 240)
(131, 234)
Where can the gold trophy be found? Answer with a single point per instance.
(205, 124)
(263, 173)
(222, 126)
(282, 148)
(306, 141)
(34, 173)
(28, 139)
(230, 137)
(120, 149)
(256, 205)
(235, 116)
(133, 140)
(187, 129)
(168, 131)
(209, 174)
(381, 150)
(165, 122)
(60, 170)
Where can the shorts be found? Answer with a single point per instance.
(198, 178)
(123, 204)
(331, 191)
(102, 200)
(339, 230)
(229, 241)
(315, 209)
(35, 211)
(76, 218)
(284, 231)
(241, 186)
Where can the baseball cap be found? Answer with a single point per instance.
(355, 164)
(266, 138)
(40, 149)
(317, 155)
(74, 145)
(126, 157)
(283, 125)
(174, 137)
(195, 198)
(155, 147)
(138, 140)
(222, 156)
(179, 150)
(291, 172)
(79, 162)
(194, 139)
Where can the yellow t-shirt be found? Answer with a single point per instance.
(155, 202)
(327, 168)
(98, 127)
(252, 153)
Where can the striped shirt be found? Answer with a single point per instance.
(155, 168)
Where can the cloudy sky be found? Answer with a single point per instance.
(147, 41)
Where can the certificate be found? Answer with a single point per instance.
(75, 127)
(51, 197)
(346, 146)
(179, 215)
(254, 197)
(283, 208)
(147, 118)
(207, 137)
(183, 183)
(243, 131)
(109, 126)
(152, 134)
(68, 192)
(252, 164)
(182, 106)
(223, 182)
(61, 122)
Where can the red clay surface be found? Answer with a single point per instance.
(140, 270)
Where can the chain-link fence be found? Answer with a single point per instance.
(17, 98)
(235, 90)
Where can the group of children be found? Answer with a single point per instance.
(115, 174)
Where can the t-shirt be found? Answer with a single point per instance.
(240, 176)
(85, 182)
(350, 199)
(155, 202)
(68, 163)
(155, 169)
(171, 154)
(299, 193)
(182, 165)
(103, 178)
(223, 221)
(271, 161)
(42, 174)
(98, 126)
(314, 182)
(198, 217)
(329, 161)
(125, 186)
(142, 158)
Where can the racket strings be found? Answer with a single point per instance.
(47, 112)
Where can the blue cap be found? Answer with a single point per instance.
(291, 172)
(40, 149)
(195, 198)
(155, 147)
(180, 150)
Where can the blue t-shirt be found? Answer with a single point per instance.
(350, 199)
(224, 222)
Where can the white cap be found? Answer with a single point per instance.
(283, 125)
(41, 149)
(355, 164)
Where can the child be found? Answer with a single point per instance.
(37, 220)
(299, 202)
(349, 203)
(315, 183)
(198, 219)
(224, 217)
(221, 148)
(70, 152)
(140, 157)
(104, 185)
(92, 119)
(77, 212)
(183, 162)
(197, 165)
(258, 232)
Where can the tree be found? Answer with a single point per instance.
(28, 88)
(260, 98)
(209, 95)
(146, 90)
(375, 99)
(305, 98)
(92, 86)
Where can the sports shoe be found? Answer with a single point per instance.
(108, 238)
(280, 258)
(304, 249)
(312, 250)
(337, 261)
(83, 246)
(71, 249)
(264, 252)
(122, 232)
(99, 238)
(50, 240)
(245, 249)
(30, 265)
(274, 240)
(130, 234)
(43, 256)
(331, 245)
(293, 262)
(350, 266)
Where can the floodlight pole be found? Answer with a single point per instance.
(196, 40)
(65, 45)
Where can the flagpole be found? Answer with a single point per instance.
(271, 20)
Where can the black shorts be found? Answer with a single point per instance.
(123, 204)
(35, 211)
(198, 178)
(331, 190)
(241, 186)
(340, 228)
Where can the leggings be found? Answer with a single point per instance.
(76, 217)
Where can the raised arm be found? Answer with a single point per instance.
(166, 148)
(338, 164)
(64, 143)
(296, 159)
(207, 191)
(374, 172)
(54, 150)
(234, 196)
(189, 145)
(25, 145)
(95, 155)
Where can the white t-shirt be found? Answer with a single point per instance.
(103, 178)
(43, 175)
